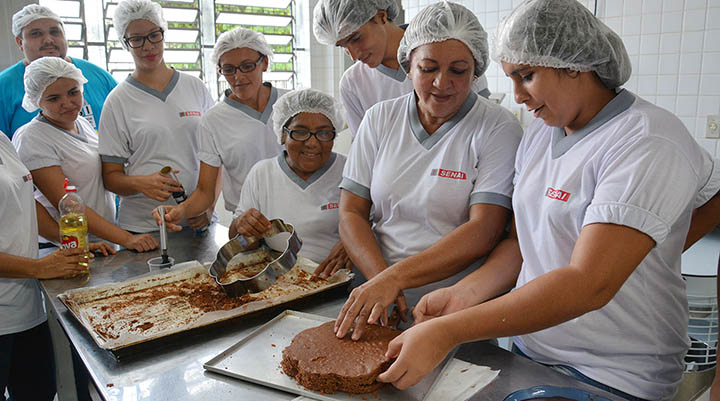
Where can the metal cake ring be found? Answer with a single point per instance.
(241, 247)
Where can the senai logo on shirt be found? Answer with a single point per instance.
(441, 172)
(190, 114)
(557, 194)
(330, 206)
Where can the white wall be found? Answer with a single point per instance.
(674, 46)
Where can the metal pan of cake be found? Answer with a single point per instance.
(157, 305)
(257, 357)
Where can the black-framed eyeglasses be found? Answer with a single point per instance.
(302, 135)
(229, 69)
(139, 41)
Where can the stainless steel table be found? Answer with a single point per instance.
(171, 368)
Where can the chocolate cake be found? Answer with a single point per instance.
(320, 361)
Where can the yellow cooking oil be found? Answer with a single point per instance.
(74, 234)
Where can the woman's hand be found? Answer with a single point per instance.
(250, 223)
(440, 302)
(141, 243)
(101, 247)
(336, 260)
(157, 186)
(200, 221)
(368, 303)
(173, 216)
(418, 350)
(62, 263)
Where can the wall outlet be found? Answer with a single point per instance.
(712, 128)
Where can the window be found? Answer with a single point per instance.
(193, 26)
(274, 19)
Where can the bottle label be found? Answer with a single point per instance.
(69, 242)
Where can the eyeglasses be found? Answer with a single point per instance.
(139, 41)
(302, 135)
(229, 69)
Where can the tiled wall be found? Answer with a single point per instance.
(674, 46)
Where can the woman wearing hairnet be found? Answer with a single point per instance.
(609, 190)
(436, 165)
(150, 121)
(300, 185)
(237, 132)
(366, 30)
(59, 143)
(27, 368)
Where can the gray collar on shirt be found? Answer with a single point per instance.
(265, 115)
(427, 140)
(398, 75)
(562, 143)
(303, 184)
(80, 136)
(158, 94)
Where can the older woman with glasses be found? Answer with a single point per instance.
(300, 185)
(150, 121)
(237, 132)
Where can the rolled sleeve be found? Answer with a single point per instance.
(356, 188)
(491, 198)
(630, 216)
(645, 184)
(35, 164)
(113, 159)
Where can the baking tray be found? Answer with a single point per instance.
(151, 320)
(257, 357)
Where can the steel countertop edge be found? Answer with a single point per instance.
(172, 368)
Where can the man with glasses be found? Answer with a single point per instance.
(39, 32)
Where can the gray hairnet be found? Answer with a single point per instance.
(442, 21)
(42, 73)
(239, 38)
(30, 13)
(305, 101)
(336, 19)
(131, 10)
(562, 34)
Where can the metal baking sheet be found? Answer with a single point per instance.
(257, 357)
(151, 320)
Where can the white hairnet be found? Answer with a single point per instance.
(336, 19)
(42, 73)
(442, 21)
(239, 38)
(305, 101)
(562, 34)
(131, 10)
(30, 13)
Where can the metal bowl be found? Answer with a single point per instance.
(242, 249)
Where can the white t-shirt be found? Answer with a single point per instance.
(21, 302)
(422, 186)
(310, 206)
(236, 136)
(146, 130)
(41, 144)
(361, 87)
(636, 165)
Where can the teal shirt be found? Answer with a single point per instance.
(12, 90)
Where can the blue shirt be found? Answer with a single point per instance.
(12, 90)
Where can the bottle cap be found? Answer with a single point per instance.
(70, 188)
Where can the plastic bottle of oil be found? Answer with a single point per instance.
(73, 221)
